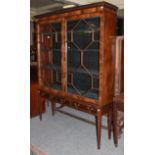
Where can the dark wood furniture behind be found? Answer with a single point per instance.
(117, 116)
(76, 58)
(34, 106)
(119, 66)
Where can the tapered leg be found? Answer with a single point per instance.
(115, 133)
(109, 122)
(40, 105)
(98, 127)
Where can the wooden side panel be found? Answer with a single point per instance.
(109, 55)
(102, 76)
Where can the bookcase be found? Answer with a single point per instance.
(76, 53)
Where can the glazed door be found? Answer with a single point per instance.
(83, 37)
(50, 55)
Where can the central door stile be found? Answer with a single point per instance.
(64, 55)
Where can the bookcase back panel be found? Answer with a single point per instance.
(51, 55)
(83, 57)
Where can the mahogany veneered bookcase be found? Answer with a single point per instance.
(76, 53)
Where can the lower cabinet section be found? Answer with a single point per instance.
(94, 109)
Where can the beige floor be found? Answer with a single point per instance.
(71, 132)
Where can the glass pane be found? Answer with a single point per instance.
(82, 81)
(83, 56)
(90, 58)
(72, 24)
(93, 22)
(73, 57)
(82, 34)
(56, 58)
(51, 55)
(56, 54)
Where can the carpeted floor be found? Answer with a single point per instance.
(71, 132)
